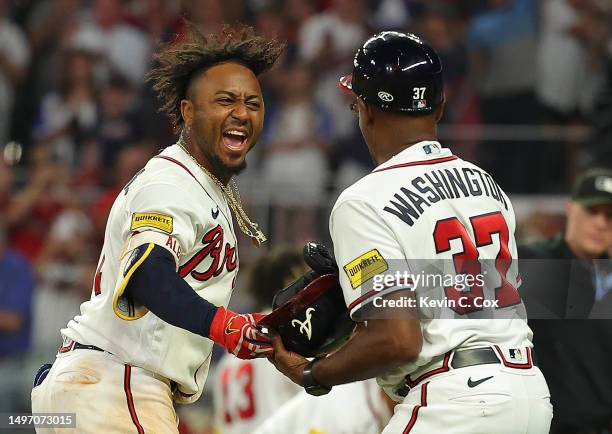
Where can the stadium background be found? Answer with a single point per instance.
(529, 98)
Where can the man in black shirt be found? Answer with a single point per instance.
(564, 288)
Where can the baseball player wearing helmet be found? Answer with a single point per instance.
(454, 372)
(169, 261)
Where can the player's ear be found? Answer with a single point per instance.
(187, 111)
(439, 111)
(367, 110)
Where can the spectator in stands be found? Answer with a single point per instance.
(65, 262)
(600, 151)
(119, 126)
(16, 286)
(50, 25)
(570, 65)
(328, 40)
(161, 22)
(296, 13)
(14, 58)
(69, 113)
(269, 23)
(7, 180)
(501, 42)
(207, 15)
(30, 210)
(65, 268)
(561, 289)
(441, 27)
(238, 410)
(392, 14)
(158, 19)
(569, 59)
(295, 168)
(126, 49)
(129, 161)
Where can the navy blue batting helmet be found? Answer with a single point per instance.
(397, 72)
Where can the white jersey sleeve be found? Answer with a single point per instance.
(364, 247)
(156, 213)
(164, 208)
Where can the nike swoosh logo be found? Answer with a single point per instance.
(214, 213)
(477, 382)
(228, 328)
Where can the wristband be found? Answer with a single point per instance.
(312, 386)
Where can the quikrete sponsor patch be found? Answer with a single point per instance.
(152, 220)
(363, 268)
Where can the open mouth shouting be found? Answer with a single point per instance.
(235, 139)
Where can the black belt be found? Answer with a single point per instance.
(463, 359)
(481, 356)
(475, 356)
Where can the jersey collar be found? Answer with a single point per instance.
(421, 153)
(177, 153)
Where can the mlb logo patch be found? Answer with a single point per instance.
(431, 149)
(515, 354)
(422, 103)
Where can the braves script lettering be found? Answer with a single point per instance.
(213, 248)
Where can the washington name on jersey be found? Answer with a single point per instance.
(411, 201)
(427, 213)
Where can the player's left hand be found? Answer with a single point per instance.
(289, 363)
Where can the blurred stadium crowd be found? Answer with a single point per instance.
(528, 90)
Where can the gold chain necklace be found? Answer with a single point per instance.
(232, 195)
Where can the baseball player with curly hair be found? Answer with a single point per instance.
(169, 261)
(459, 371)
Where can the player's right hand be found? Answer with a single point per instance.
(239, 334)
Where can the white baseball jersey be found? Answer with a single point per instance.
(353, 408)
(246, 392)
(427, 204)
(174, 204)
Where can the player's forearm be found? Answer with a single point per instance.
(376, 348)
(157, 286)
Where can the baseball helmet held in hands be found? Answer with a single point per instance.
(397, 72)
(310, 314)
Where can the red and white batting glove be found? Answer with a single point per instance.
(239, 334)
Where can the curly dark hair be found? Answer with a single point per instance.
(179, 62)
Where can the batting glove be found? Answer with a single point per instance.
(239, 334)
